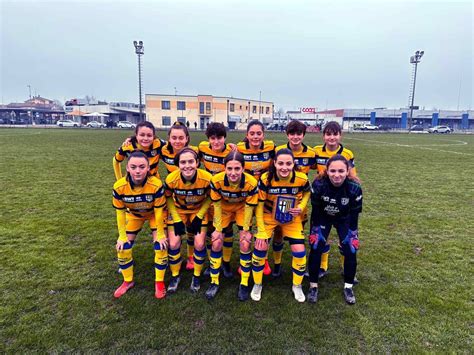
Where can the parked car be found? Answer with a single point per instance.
(416, 128)
(439, 129)
(67, 123)
(125, 124)
(95, 124)
(365, 127)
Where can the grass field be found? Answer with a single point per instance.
(58, 269)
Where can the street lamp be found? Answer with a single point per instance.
(414, 59)
(139, 50)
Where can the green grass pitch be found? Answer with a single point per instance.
(58, 264)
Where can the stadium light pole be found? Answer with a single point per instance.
(139, 50)
(414, 59)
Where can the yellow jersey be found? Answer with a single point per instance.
(140, 200)
(246, 191)
(152, 153)
(323, 154)
(167, 155)
(305, 159)
(188, 195)
(292, 188)
(257, 161)
(213, 161)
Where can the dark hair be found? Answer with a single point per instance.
(138, 154)
(180, 126)
(185, 150)
(338, 157)
(147, 124)
(297, 127)
(272, 169)
(253, 123)
(235, 155)
(332, 127)
(216, 129)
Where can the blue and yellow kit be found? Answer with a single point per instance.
(233, 202)
(140, 203)
(257, 161)
(213, 161)
(276, 197)
(305, 159)
(188, 197)
(323, 154)
(167, 155)
(153, 154)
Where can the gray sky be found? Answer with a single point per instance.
(332, 54)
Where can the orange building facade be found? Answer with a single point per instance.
(234, 113)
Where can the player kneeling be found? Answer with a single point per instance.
(234, 194)
(139, 197)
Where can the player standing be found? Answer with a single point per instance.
(337, 201)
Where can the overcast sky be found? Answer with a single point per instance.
(334, 54)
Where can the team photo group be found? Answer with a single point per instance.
(262, 189)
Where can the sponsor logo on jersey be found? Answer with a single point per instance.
(344, 201)
(331, 210)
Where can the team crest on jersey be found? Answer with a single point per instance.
(344, 201)
(154, 153)
(305, 161)
(294, 190)
(283, 205)
(200, 191)
(149, 198)
(266, 156)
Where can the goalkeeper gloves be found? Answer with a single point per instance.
(195, 226)
(179, 228)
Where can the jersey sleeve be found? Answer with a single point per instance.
(215, 195)
(316, 191)
(117, 200)
(121, 154)
(356, 199)
(252, 197)
(160, 200)
(262, 191)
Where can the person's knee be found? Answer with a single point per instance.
(200, 241)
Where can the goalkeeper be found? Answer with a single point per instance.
(337, 201)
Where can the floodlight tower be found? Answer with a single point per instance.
(414, 59)
(139, 50)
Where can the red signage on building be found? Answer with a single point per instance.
(308, 110)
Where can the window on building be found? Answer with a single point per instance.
(267, 110)
(254, 109)
(165, 105)
(181, 105)
(261, 109)
(201, 108)
(232, 108)
(166, 121)
(208, 108)
(182, 120)
(240, 107)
